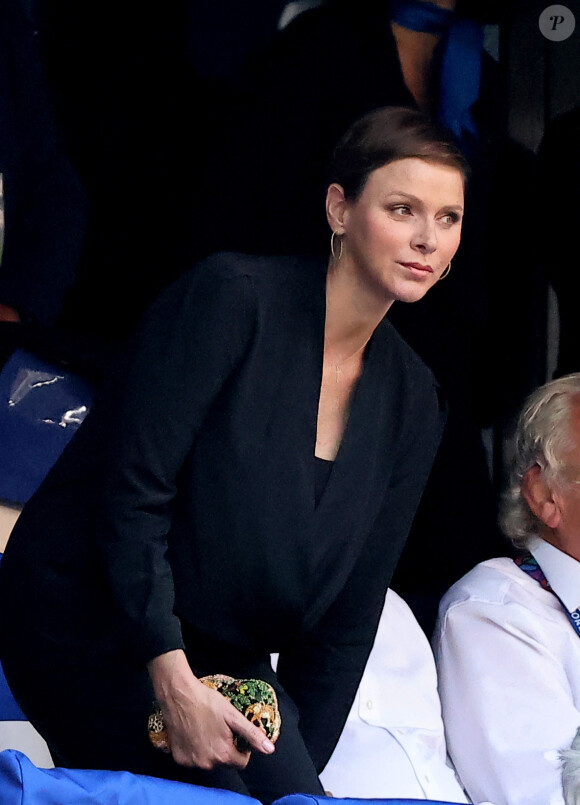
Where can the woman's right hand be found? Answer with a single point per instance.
(201, 723)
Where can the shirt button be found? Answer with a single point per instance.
(369, 704)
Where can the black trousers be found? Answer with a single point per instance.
(95, 716)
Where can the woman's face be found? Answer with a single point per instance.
(401, 232)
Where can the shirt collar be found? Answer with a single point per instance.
(561, 570)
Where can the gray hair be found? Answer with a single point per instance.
(542, 437)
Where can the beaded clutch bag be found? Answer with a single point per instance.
(255, 699)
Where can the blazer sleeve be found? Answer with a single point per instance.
(188, 347)
(323, 672)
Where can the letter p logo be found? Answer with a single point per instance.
(557, 23)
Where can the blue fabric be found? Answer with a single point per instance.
(9, 710)
(41, 407)
(310, 799)
(420, 15)
(21, 783)
(461, 53)
(460, 81)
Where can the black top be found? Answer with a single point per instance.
(322, 470)
(189, 492)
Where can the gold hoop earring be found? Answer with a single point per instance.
(333, 246)
(446, 272)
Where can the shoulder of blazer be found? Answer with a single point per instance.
(268, 274)
(291, 283)
(274, 267)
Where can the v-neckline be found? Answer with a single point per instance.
(322, 472)
(347, 435)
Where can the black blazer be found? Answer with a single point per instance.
(199, 507)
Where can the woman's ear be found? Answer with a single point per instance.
(335, 208)
(540, 497)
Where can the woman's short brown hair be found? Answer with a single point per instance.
(387, 135)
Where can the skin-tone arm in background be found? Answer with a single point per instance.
(8, 314)
(416, 50)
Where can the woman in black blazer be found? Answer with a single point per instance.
(245, 486)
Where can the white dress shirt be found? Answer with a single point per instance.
(393, 744)
(509, 677)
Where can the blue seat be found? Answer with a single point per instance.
(22, 782)
(310, 799)
(41, 407)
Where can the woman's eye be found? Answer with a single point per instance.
(450, 218)
(401, 209)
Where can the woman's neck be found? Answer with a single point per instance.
(351, 317)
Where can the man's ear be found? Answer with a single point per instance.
(335, 208)
(540, 497)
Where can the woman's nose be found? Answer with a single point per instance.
(425, 237)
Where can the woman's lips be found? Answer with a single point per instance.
(420, 267)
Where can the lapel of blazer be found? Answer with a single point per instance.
(360, 476)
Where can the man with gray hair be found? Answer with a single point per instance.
(507, 641)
